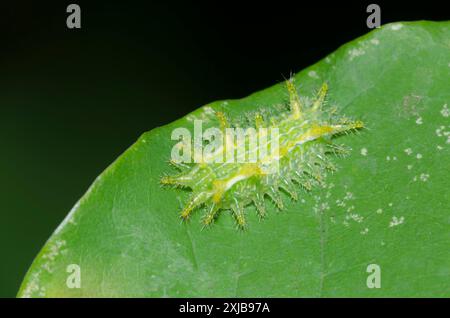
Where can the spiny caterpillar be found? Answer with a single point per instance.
(302, 158)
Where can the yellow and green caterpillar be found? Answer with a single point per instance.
(302, 158)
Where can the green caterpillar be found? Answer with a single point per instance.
(302, 156)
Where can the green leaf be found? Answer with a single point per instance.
(387, 204)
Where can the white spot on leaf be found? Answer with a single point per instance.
(396, 26)
(396, 221)
(445, 111)
(419, 121)
(313, 74)
(355, 53)
(364, 151)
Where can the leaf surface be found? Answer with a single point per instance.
(387, 204)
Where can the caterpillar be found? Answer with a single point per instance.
(298, 158)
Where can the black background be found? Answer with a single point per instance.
(72, 100)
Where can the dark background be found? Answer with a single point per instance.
(71, 101)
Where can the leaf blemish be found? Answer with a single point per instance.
(364, 151)
(313, 74)
(395, 221)
(396, 26)
(445, 112)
